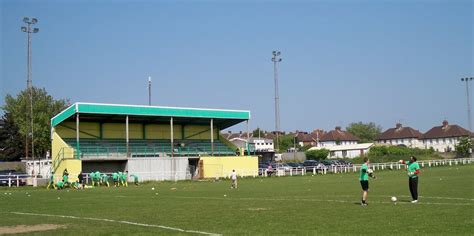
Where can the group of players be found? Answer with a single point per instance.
(413, 169)
(97, 179)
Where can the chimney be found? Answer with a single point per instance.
(445, 123)
(338, 128)
(398, 125)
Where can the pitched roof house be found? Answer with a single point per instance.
(338, 137)
(400, 135)
(445, 137)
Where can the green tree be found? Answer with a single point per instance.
(464, 147)
(285, 142)
(305, 148)
(367, 132)
(258, 131)
(11, 141)
(319, 154)
(44, 108)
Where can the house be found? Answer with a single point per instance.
(262, 144)
(317, 134)
(338, 137)
(444, 138)
(401, 136)
(305, 139)
(346, 151)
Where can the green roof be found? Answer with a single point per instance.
(93, 111)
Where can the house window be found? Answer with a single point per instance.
(344, 153)
(332, 153)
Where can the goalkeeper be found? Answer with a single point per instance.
(413, 172)
(365, 172)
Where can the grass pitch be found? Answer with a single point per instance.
(298, 205)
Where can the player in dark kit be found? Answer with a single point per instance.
(413, 170)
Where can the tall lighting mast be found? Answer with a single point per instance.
(276, 60)
(29, 83)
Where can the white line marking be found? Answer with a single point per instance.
(118, 221)
(433, 197)
(324, 200)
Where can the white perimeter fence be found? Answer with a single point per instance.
(25, 179)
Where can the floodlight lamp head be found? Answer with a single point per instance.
(34, 21)
(35, 30)
(279, 59)
(274, 53)
(26, 19)
(278, 53)
(23, 28)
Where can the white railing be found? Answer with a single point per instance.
(18, 180)
(24, 179)
(353, 168)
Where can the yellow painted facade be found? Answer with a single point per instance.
(117, 131)
(213, 167)
(68, 130)
(63, 157)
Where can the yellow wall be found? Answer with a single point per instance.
(73, 166)
(85, 127)
(196, 131)
(223, 166)
(162, 131)
(60, 150)
(117, 131)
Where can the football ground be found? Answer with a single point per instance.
(298, 205)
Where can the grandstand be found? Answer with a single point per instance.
(110, 137)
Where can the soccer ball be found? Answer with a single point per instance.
(394, 199)
(153, 188)
(370, 171)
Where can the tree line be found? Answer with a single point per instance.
(15, 136)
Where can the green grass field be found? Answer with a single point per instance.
(295, 205)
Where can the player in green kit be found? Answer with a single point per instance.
(98, 178)
(92, 177)
(364, 180)
(135, 178)
(105, 180)
(115, 177)
(125, 178)
(51, 181)
(60, 184)
(413, 172)
(120, 178)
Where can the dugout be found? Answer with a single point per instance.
(158, 143)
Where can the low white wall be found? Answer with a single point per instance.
(161, 168)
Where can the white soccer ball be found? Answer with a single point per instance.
(153, 188)
(370, 171)
(394, 199)
(225, 195)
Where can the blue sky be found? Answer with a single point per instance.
(343, 61)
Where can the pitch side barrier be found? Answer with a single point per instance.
(23, 179)
(336, 169)
(15, 180)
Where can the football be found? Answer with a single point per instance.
(394, 199)
(370, 171)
